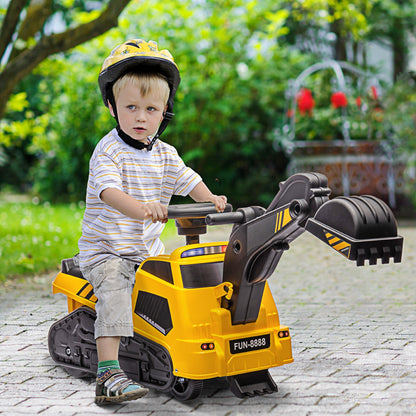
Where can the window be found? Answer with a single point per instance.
(159, 269)
(202, 274)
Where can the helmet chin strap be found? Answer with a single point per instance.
(135, 143)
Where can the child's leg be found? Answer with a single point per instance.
(107, 348)
(113, 284)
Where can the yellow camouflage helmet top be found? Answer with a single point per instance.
(139, 55)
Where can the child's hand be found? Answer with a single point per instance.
(156, 212)
(219, 201)
(201, 193)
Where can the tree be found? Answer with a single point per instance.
(354, 23)
(391, 23)
(312, 23)
(25, 42)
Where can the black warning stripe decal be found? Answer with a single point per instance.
(338, 244)
(282, 219)
(87, 292)
(82, 289)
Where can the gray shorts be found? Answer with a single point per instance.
(113, 283)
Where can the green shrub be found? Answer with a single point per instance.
(234, 73)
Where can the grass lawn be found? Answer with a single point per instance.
(36, 237)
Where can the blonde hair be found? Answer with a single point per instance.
(145, 82)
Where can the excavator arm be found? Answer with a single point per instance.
(359, 228)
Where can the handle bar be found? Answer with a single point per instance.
(198, 210)
(225, 218)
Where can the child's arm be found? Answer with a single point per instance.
(201, 193)
(128, 206)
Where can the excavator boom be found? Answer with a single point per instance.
(360, 228)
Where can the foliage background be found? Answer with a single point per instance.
(236, 58)
(234, 73)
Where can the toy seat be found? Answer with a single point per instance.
(71, 267)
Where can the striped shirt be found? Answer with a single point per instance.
(146, 176)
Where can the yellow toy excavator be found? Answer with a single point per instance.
(205, 310)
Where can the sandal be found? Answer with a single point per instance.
(110, 387)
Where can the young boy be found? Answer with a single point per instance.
(132, 178)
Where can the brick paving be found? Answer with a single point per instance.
(353, 337)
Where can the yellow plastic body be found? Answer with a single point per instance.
(197, 319)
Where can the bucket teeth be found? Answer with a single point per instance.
(385, 253)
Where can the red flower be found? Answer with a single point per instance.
(358, 101)
(375, 93)
(339, 99)
(305, 101)
(290, 113)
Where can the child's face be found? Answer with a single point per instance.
(139, 116)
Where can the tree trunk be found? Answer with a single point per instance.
(9, 23)
(28, 59)
(340, 48)
(399, 46)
